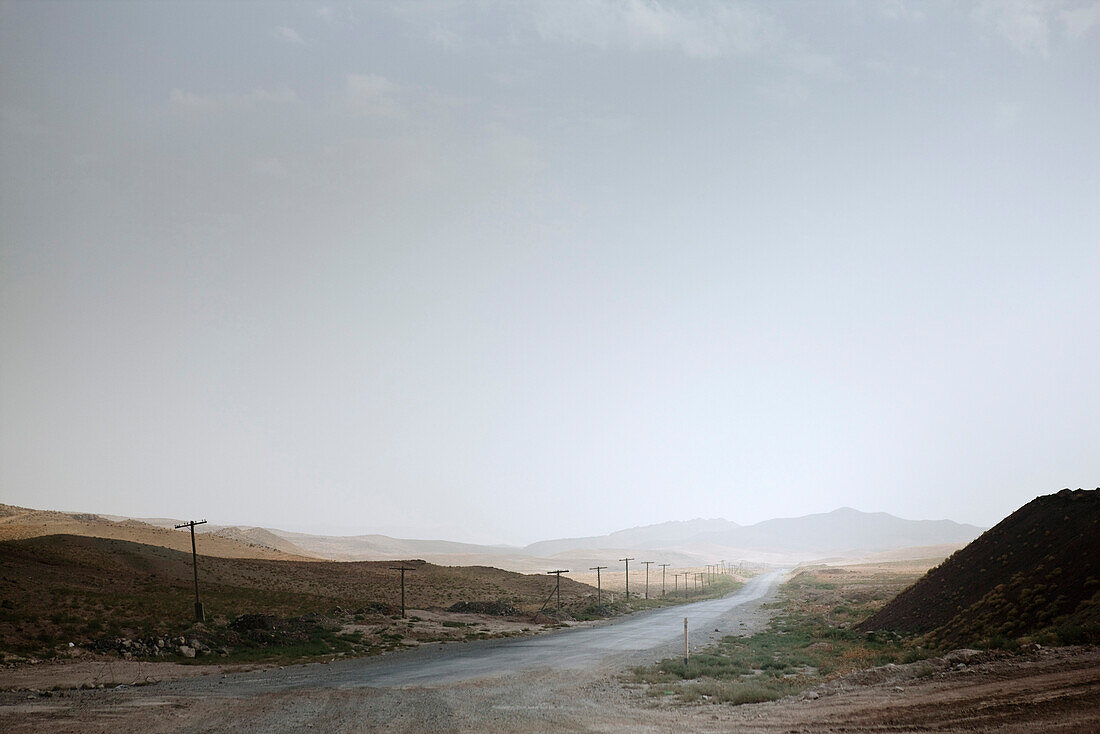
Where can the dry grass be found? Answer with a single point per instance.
(808, 641)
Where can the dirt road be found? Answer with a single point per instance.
(566, 682)
(604, 646)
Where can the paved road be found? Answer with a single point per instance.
(659, 632)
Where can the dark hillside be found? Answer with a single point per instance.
(1035, 571)
(58, 589)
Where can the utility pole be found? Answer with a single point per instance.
(599, 594)
(402, 569)
(558, 589)
(647, 564)
(663, 566)
(675, 583)
(627, 562)
(200, 613)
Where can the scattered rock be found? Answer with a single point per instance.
(964, 655)
(247, 622)
(499, 608)
(187, 651)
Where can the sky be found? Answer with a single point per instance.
(501, 272)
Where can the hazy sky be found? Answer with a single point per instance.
(503, 271)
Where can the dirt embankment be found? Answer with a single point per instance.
(1037, 572)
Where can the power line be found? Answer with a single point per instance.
(402, 569)
(599, 593)
(200, 613)
(627, 562)
(558, 574)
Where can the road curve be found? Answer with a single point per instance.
(659, 631)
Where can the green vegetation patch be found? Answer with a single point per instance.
(810, 640)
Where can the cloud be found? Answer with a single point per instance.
(1079, 22)
(372, 95)
(1023, 24)
(185, 102)
(701, 30)
(285, 33)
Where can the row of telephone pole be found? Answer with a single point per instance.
(703, 578)
(698, 578)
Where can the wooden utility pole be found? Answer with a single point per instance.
(685, 640)
(627, 562)
(647, 564)
(599, 593)
(402, 569)
(663, 566)
(675, 583)
(200, 613)
(558, 589)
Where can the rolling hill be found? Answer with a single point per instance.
(843, 534)
(71, 588)
(18, 523)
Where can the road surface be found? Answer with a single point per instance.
(660, 631)
(560, 681)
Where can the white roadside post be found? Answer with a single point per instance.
(685, 641)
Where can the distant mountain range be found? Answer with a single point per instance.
(841, 531)
(844, 533)
(662, 535)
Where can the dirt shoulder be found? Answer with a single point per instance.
(1054, 690)
(1049, 691)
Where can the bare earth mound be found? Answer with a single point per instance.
(1037, 572)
